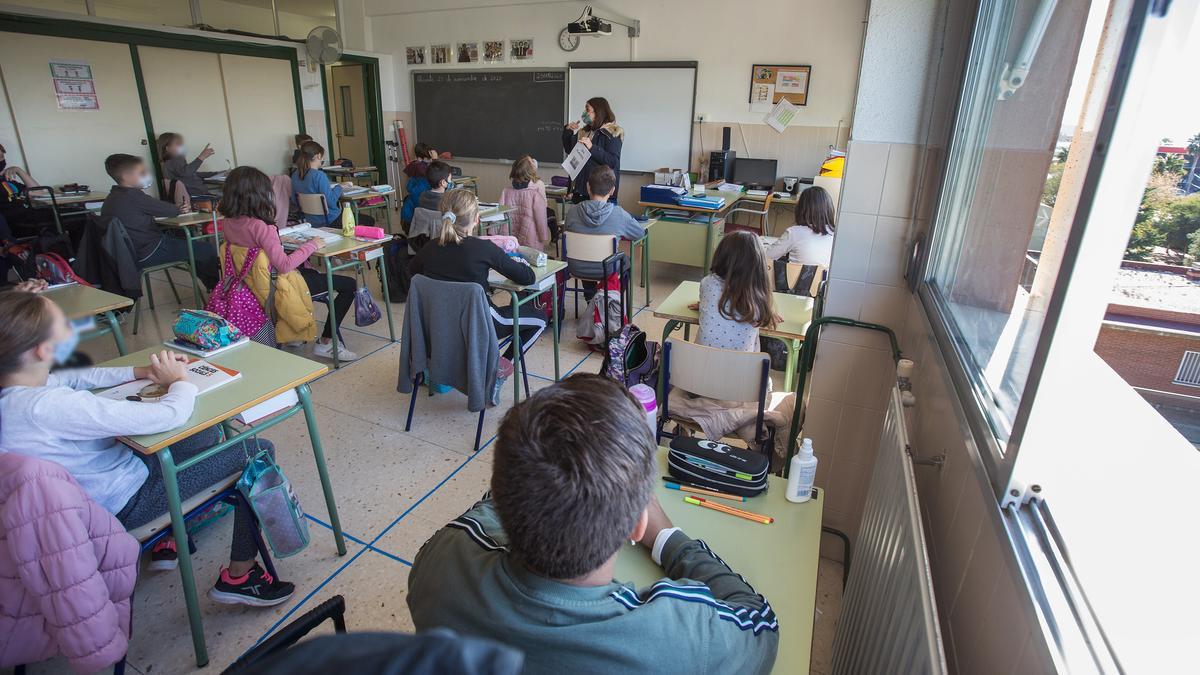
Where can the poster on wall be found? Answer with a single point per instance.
(520, 49)
(415, 55)
(74, 87)
(439, 54)
(468, 52)
(770, 84)
(493, 51)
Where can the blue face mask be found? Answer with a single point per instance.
(64, 349)
(449, 184)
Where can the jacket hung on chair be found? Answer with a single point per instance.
(529, 220)
(106, 257)
(137, 211)
(412, 194)
(293, 307)
(67, 570)
(449, 334)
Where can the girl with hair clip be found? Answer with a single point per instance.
(735, 302)
(54, 416)
(455, 255)
(527, 194)
(810, 240)
(309, 179)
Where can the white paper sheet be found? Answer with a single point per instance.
(781, 115)
(574, 162)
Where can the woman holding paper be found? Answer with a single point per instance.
(597, 131)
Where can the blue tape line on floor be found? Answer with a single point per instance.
(360, 541)
(370, 545)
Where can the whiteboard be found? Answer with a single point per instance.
(654, 103)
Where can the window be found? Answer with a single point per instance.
(250, 16)
(70, 6)
(298, 17)
(165, 12)
(1189, 370)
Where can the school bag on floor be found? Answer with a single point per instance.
(595, 330)
(631, 358)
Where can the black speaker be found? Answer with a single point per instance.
(720, 165)
(725, 138)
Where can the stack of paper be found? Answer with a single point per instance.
(299, 234)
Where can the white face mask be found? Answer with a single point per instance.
(181, 151)
(145, 182)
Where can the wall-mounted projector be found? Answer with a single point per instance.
(589, 26)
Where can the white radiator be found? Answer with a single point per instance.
(889, 618)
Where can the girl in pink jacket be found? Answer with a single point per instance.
(528, 195)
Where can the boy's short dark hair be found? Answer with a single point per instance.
(436, 172)
(116, 165)
(574, 469)
(422, 150)
(601, 181)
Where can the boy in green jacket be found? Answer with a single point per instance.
(531, 565)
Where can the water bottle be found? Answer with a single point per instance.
(645, 395)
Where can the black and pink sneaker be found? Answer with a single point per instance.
(257, 589)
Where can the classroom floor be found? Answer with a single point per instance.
(393, 489)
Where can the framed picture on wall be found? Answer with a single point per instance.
(493, 51)
(468, 52)
(439, 54)
(415, 55)
(771, 83)
(520, 49)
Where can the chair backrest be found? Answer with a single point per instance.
(794, 270)
(588, 247)
(722, 374)
(312, 204)
(425, 221)
(177, 193)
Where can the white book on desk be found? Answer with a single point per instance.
(206, 376)
(495, 277)
(297, 235)
(356, 190)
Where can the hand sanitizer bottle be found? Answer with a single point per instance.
(802, 474)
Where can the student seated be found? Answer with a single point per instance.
(735, 302)
(14, 181)
(248, 204)
(527, 194)
(598, 215)
(176, 166)
(137, 210)
(456, 255)
(423, 154)
(309, 179)
(417, 182)
(810, 240)
(532, 564)
(438, 177)
(54, 417)
(300, 139)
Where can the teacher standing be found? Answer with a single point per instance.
(597, 131)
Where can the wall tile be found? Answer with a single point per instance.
(889, 251)
(848, 488)
(957, 545)
(844, 298)
(831, 369)
(998, 651)
(852, 246)
(900, 180)
(866, 165)
(858, 434)
(822, 420)
(971, 613)
(871, 374)
(886, 305)
(856, 336)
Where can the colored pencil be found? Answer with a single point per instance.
(729, 510)
(684, 487)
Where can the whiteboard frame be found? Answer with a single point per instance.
(694, 65)
(412, 83)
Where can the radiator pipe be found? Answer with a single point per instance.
(808, 353)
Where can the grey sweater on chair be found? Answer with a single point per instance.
(449, 334)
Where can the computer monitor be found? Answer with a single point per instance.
(755, 174)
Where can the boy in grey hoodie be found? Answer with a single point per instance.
(599, 216)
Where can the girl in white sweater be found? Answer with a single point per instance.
(54, 416)
(810, 240)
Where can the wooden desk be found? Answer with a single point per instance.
(343, 254)
(485, 212)
(355, 201)
(789, 201)
(796, 310)
(546, 278)
(469, 182)
(679, 239)
(266, 373)
(189, 224)
(352, 172)
(54, 198)
(78, 301)
(779, 560)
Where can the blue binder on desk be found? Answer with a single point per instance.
(662, 194)
(705, 202)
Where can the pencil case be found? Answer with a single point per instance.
(369, 232)
(717, 466)
(532, 256)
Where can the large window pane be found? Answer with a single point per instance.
(251, 16)
(165, 12)
(73, 6)
(1001, 221)
(298, 17)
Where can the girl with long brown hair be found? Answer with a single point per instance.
(309, 179)
(735, 298)
(810, 240)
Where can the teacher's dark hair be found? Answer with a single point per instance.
(602, 113)
(248, 193)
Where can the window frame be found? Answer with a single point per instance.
(1195, 356)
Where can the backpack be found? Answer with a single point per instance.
(398, 276)
(631, 358)
(56, 270)
(597, 331)
(233, 300)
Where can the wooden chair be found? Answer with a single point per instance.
(794, 270)
(313, 205)
(594, 248)
(763, 215)
(722, 374)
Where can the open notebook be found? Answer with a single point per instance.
(206, 376)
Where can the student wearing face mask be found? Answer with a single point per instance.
(596, 130)
(309, 179)
(54, 416)
(175, 164)
(128, 202)
(15, 212)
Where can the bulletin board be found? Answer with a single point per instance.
(770, 83)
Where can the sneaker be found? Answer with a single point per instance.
(257, 589)
(164, 557)
(325, 349)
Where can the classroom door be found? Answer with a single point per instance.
(348, 101)
(66, 141)
(186, 96)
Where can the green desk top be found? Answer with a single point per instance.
(552, 266)
(265, 373)
(369, 194)
(493, 211)
(187, 219)
(345, 246)
(41, 197)
(779, 560)
(692, 209)
(78, 301)
(796, 310)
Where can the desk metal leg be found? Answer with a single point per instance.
(332, 319)
(187, 234)
(217, 242)
(667, 329)
(516, 343)
(179, 534)
(709, 241)
(387, 298)
(335, 522)
(115, 327)
(645, 244)
(554, 307)
(789, 374)
(387, 206)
